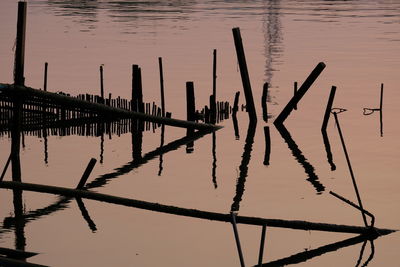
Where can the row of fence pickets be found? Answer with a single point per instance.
(43, 117)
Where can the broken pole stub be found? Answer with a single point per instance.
(250, 108)
(137, 94)
(300, 93)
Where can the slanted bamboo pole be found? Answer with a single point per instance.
(222, 217)
(251, 109)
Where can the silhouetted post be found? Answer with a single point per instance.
(294, 93)
(190, 101)
(351, 170)
(86, 174)
(191, 112)
(300, 93)
(101, 84)
(264, 102)
(328, 108)
(45, 76)
(381, 110)
(162, 86)
(215, 73)
(267, 145)
(250, 108)
(140, 91)
(19, 78)
(137, 95)
(236, 102)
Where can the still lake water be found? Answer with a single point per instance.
(359, 41)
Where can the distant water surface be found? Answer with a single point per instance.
(359, 41)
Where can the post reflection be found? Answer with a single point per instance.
(328, 149)
(214, 162)
(243, 168)
(296, 152)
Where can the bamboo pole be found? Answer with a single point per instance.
(300, 93)
(292, 224)
(19, 63)
(245, 74)
(102, 109)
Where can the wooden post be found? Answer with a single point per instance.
(135, 85)
(191, 112)
(19, 78)
(245, 75)
(328, 108)
(101, 85)
(140, 91)
(162, 86)
(86, 174)
(381, 110)
(264, 102)
(215, 73)
(45, 76)
(300, 93)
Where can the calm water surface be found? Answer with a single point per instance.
(359, 41)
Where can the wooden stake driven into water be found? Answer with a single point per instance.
(328, 108)
(293, 224)
(101, 84)
(162, 86)
(251, 109)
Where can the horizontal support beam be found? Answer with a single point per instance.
(300, 225)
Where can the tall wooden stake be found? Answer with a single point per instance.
(162, 87)
(251, 109)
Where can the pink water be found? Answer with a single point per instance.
(359, 41)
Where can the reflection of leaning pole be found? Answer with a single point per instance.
(105, 178)
(293, 224)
